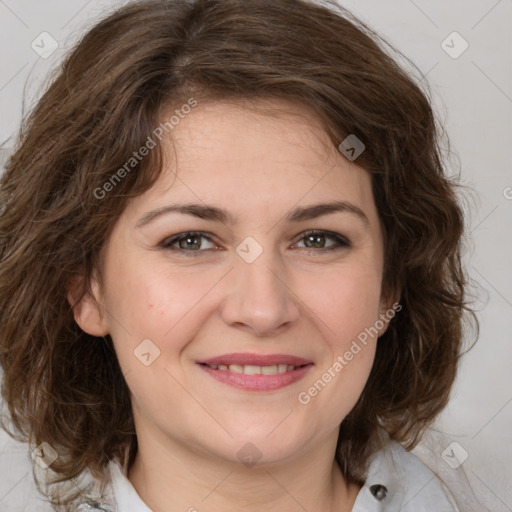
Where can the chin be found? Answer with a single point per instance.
(263, 445)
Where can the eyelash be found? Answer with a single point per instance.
(342, 242)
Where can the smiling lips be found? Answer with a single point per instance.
(254, 372)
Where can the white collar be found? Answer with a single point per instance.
(397, 482)
(125, 495)
(409, 485)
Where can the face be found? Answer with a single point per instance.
(245, 319)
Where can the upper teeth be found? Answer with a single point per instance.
(249, 369)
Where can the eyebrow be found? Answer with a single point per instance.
(209, 212)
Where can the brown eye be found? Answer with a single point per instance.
(317, 240)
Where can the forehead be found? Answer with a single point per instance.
(266, 154)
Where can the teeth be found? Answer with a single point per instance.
(269, 370)
(252, 370)
(249, 369)
(282, 368)
(236, 368)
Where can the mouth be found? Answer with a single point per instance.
(253, 372)
(250, 369)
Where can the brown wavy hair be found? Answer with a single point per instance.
(65, 387)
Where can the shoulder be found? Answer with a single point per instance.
(18, 491)
(398, 481)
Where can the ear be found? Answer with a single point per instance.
(389, 307)
(86, 306)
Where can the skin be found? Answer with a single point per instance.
(291, 300)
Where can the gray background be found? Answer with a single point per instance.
(473, 94)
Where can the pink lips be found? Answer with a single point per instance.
(257, 382)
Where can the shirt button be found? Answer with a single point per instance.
(379, 491)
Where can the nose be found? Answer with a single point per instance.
(259, 297)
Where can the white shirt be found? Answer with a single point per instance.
(397, 481)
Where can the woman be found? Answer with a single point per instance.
(230, 267)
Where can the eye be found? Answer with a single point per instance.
(187, 242)
(315, 239)
(191, 242)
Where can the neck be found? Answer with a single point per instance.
(167, 475)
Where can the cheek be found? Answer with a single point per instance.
(153, 302)
(348, 305)
(347, 301)
(150, 299)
